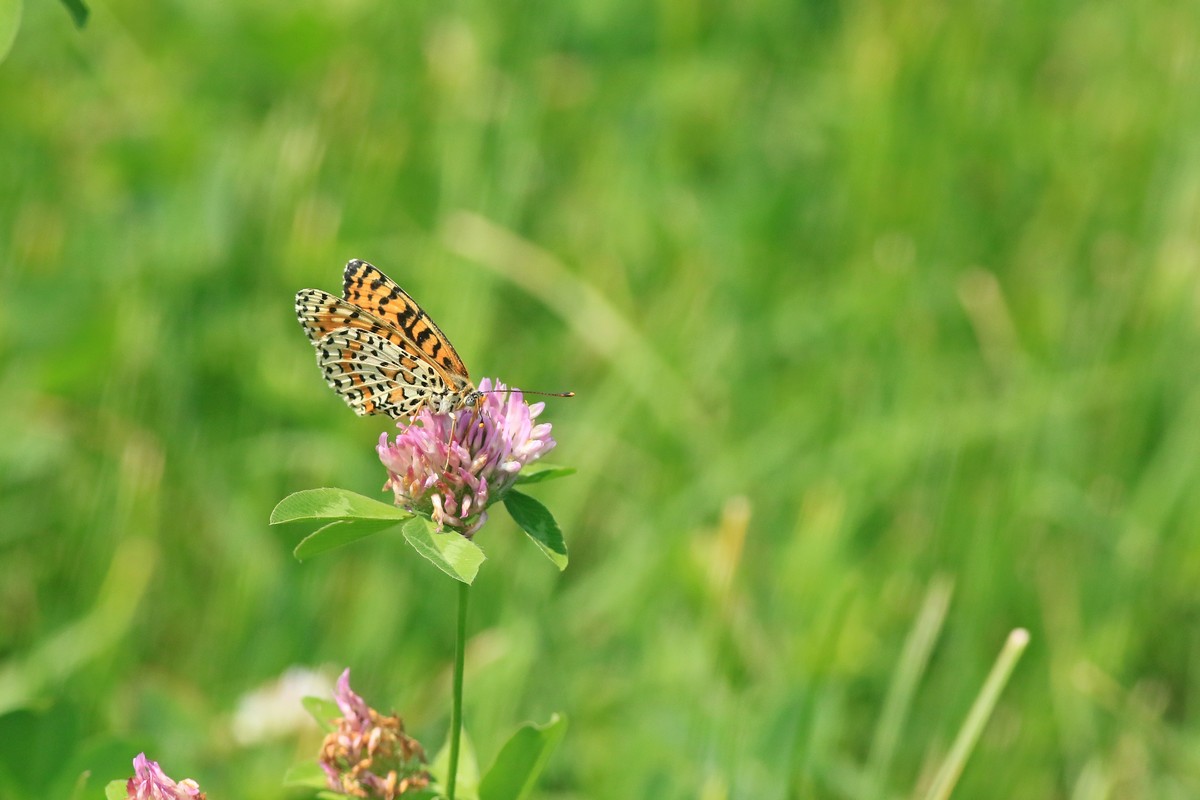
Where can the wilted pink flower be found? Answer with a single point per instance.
(452, 468)
(369, 755)
(149, 783)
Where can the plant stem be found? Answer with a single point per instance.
(460, 645)
(977, 717)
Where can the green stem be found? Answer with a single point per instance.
(977, 717)
(460, 645)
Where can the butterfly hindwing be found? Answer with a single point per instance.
(374, 376)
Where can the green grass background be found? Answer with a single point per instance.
(906, 293)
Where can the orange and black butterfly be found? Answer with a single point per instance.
(379, 351)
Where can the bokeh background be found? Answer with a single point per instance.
(875, 311)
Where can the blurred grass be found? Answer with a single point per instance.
(855, 296)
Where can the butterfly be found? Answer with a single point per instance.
(379, 351)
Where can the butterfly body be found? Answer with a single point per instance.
(380, 351)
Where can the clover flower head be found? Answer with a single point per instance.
(149, 783)
(451, 467)
(369, 755)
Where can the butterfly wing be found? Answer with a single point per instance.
(364, 286)
(321, 313)
(377, 349)
(374, 376)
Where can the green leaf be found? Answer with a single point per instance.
(537, 521)
(32, 746)
(451, 552)
(97, 762)
(336, 534)
(522, 760)
(348, 517)
(538, 472)
(306, 773)
(78, 12)
(115, 790)
(466, 786)
(323, 710)
(10, 23)
(331, 504)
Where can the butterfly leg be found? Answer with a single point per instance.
(450, 443)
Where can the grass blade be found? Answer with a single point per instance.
(981, 711)
(913, 662)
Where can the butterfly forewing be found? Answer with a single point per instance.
(364, 286)
(378, 350)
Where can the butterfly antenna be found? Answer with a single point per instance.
(527, 391)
